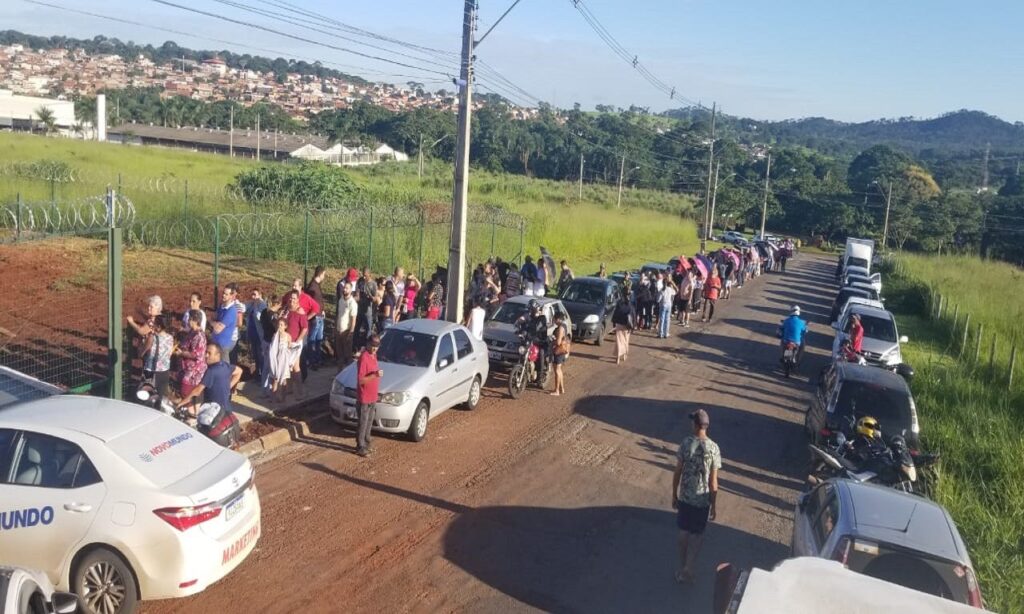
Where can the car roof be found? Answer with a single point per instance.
(595, 281)
(863, 300)
(17, 387)
(655, 265)
(522, 298)
(104, 419)
(864, 374)
(902, 519)
(875, 312)
(425, 326)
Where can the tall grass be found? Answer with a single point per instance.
(976, 424)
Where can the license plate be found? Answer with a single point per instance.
(494, 355)
(233, 507)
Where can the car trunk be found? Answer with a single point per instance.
(910, 569)
(224, 483)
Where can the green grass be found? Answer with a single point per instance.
(967, 413)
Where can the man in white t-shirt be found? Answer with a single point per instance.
(345, 326)
(666, 297)
(475, 320)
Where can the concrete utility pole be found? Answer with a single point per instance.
(622, 170)
(231, 132)
(257, 137)
(885, 225)
(714, 197)
(707, 195)
(984, 177)
(460, 195)
(581, 177)
(419, 172)
(764, 208)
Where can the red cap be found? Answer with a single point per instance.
(352, 275)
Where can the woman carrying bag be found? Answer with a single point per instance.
(562, 345)
(624, 320)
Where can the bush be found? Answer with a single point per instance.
(305, 184)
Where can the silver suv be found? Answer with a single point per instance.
(500, 330)
(881, 345)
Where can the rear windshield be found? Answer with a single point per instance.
(510, 312)
(891, 407)
(914, 571)
(882, 329)
(584, 293)
(164, 450)
(406, 348)
(861, 262)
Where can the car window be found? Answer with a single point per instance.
(882, 329)
(510, 312)
(445, 352)
(50, 462)
(463, 344)
(583, 292)
(890, 406)
(402, 347)
(8, 437)
(827, 519)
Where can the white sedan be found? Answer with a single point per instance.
(119, 503)
(429, 366)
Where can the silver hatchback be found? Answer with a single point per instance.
(429, 366)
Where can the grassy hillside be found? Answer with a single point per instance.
(649, 225)
(966, 411)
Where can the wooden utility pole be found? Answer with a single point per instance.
(622, 170)
(885, 225)
(257, 137)
(581, 177)
(764, 207)
(714, 197)
(231, 132)
(460, 195)
(419, 173)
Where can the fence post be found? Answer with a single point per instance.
(369, 257)
(423, 227)
(992, 355)
(115, 336)
(17, 218)
(977, 343)
(942, 305)
(1013, 367)
(216, 261)
(956, 318)
(967, 329)
(305, 256)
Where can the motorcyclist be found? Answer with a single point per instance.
(793, 330)
(867, 442)
(535, 327)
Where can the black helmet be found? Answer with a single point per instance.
(534, 304)
(905, 371)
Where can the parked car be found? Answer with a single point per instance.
(801, 585)
(590, 302)
(429, 366)
(621, 277)
(843, 297)
(848, 391)
(118, 503)
(652, 268)
(866, 287)
(882, 341)
(731, 236)
(886, 534)
(874, 280)
(855, 301)
(500, 329)
(23, 591)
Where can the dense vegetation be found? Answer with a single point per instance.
(966, 412)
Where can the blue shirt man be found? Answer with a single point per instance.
(227, 315)
(793, 328)
(217, 384)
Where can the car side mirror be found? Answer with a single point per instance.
(904, 339)
(801, 502)
(442, 363)
(65, 603)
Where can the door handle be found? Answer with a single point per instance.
(79, 508)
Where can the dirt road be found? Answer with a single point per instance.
(548, 503)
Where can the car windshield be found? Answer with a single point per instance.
(860, 262)
(882, 329)
(847, 293)
(406, 348)
(891, 407)
(510, 312)
(584, 293)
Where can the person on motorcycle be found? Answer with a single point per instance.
(793, 330)
(535, 326)
(867, 441)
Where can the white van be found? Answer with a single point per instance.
(858, 253)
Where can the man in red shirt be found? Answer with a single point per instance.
(711, 289)
(856, 333)
(367, 390)
(298, 330)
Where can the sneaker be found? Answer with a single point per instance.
(363, 453)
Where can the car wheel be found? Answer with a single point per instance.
(599, 335)
(418, 429)
(105, 584)
(474, 394)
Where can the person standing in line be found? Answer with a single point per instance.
(435, 300)
(298, 328)
(684, 298)
(367, 390)
(156, 356)
(602, 271)
(311, 309)
(225, 323)
(366, 293)
(694, 491)
(254, 311)
(711, 290)
(529, 274)
(195, 302)
(315, 342)
(192, 353)
(562, 346)
(278, 366)
(624, 320)
(667, 298)
(388, 310)
(412, 290)
(474, 321)
(232, 356)
(513, 282)
(268, 322)
(540, 287)
(565, 277)
(345, 326)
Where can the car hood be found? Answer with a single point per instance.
(500, 331)
(397, 378)
(578, 311)
(876, 346)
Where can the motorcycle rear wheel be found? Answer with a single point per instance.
(516, 381)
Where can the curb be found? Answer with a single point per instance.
(286, 434)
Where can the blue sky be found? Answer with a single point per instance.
(851, 61)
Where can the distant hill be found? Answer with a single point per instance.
(959, 131)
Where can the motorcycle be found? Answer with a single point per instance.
(525, 371)
(873, 462)
(211, 420)
(789, 356)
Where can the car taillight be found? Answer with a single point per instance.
(842, 551)
(825, 432)
(184, 518)
(973, 590)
